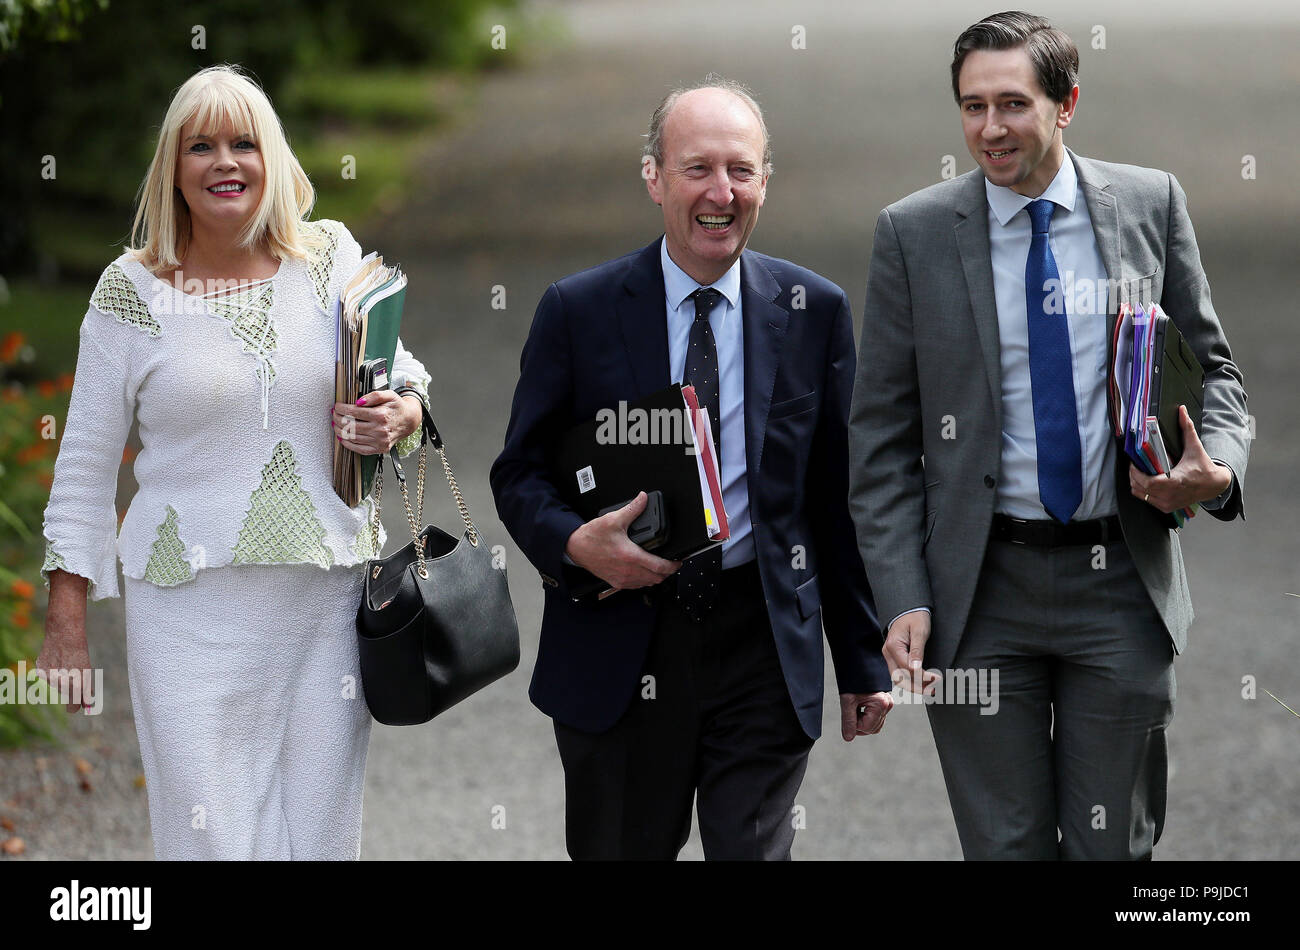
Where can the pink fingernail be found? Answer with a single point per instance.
(361, 401)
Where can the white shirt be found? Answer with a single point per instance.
(1084, 284)
(728, 333)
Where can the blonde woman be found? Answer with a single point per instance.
(215, 332)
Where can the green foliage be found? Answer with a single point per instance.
(55, 20)
(46, 318)
(28, 415)
(387, 97)
(83, 90)
(383, 160)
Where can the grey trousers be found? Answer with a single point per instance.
(1085, 692)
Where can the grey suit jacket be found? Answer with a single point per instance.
(923, 504)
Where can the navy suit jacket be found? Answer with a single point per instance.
(601, 336)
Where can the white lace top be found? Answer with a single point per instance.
(233, 397)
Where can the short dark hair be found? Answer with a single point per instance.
(1052, 52)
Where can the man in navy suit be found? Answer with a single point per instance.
(704, 678)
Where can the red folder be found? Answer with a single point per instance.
(704, 445)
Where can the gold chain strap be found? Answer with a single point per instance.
(419, 484)
(413, 522)
(470, 530)
(416, 541)
(378, 507)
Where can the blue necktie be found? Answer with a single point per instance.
(1051, 374)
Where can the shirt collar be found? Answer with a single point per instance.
(678, 285)
(1006, 204)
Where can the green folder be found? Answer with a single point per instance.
(379, 339)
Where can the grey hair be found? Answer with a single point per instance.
(654, 145)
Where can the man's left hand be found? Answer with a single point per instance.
(379, 421)
(863, 714)
(1195, 478)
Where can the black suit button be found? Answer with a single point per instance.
(989, 481)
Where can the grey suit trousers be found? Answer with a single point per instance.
(1085, 691)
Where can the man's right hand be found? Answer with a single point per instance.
(904, 651)
(602, 547)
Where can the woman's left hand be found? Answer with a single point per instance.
(377, 422)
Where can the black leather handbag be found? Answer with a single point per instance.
(435, 623)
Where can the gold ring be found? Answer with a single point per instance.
(1146, 497)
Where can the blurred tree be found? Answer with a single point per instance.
(49, 19)
(84, 83)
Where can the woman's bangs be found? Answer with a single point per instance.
(220, 107)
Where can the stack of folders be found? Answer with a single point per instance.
(369, 316)
(662, 444)
(1153, 372)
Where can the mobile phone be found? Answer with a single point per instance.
(650, 529)
(372, 375)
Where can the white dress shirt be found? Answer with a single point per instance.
(1084, 295)
(728, 334)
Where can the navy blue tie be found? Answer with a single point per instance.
(1051, 374)
(697, 581)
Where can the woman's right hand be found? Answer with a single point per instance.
(64, 660)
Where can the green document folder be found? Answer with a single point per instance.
(383, 323)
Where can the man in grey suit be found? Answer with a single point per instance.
(1002, 527)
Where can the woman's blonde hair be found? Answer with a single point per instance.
(214, 97)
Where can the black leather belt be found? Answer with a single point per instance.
(742, 577)
(1053, 534)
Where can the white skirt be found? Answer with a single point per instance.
(253, 727)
